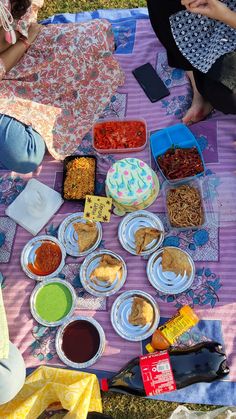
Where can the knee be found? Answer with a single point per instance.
(22, 148)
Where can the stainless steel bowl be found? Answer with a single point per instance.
(59, 337)
(34, 296)
(168, 282)
(95, 286)
(28, 256)
(68, 236)
(133, 222)
(121, 310)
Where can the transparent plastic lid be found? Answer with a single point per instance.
(221, 194)
(210, 212)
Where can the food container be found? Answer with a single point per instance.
(209, 215)
(69, 238)
(29, 262)
(52, 302)
(109, 136)
(134, 221)
(168, 282)
(80, 342)
(177, 136)
(121, 310)
(132, 185)
(69, 159)
(95, 286)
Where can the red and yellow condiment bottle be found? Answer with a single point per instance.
(167, 334)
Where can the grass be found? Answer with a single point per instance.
(52, 7)
(118, 405)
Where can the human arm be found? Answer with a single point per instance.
(10, 57)
(3, 43)
(213, 9)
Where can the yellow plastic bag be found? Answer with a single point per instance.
(78, 392)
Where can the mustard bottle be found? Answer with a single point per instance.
(167, 334)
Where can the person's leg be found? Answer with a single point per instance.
(200, 106)
(159, 13)
(216, 93)
(21, 148)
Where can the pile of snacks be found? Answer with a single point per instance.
(79, 178)
(108, 269)
(141, 312)
(174, 260)
(144, 236)
(87, 235)
(179, 163)
(184, 206)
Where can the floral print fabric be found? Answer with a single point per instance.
(2, 69)
(23, 24)
(63, 82)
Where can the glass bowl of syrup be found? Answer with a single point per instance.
(80, 342)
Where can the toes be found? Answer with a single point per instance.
(187, 119)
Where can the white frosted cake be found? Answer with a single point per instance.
(132, 184)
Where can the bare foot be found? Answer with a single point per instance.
(199, 109)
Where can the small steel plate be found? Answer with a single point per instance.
(168, 282)
(95, 286)
(133, 222)
(28, 256)
(68, 236)
(34, 296)
(121, 310)
(59, 337)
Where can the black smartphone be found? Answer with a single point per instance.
(150, 82)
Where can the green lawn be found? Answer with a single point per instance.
(60, 6)
(120, 406)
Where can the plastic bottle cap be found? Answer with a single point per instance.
(150, 348)
(104, 384)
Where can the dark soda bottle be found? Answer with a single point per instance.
(166, 371)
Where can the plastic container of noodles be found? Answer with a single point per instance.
(188, 205)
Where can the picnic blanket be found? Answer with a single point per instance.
(212, 247)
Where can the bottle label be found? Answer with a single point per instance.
(176, 327)
(157, 373)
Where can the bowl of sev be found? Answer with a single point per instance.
(79, 177)
(184, 205)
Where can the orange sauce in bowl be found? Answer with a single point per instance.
(47, 259)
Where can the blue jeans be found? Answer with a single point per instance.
(21, 147)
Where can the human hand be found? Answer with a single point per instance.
(33, 32)
(213, 9)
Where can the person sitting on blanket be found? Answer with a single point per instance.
(55, 81)
(200, 37)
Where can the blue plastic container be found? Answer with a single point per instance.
(178, 136)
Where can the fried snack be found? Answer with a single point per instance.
(145, 235)
(108, 269)
(80, 178)
(174, 260)
(141, 312)
(87, 235)
(184, 206)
